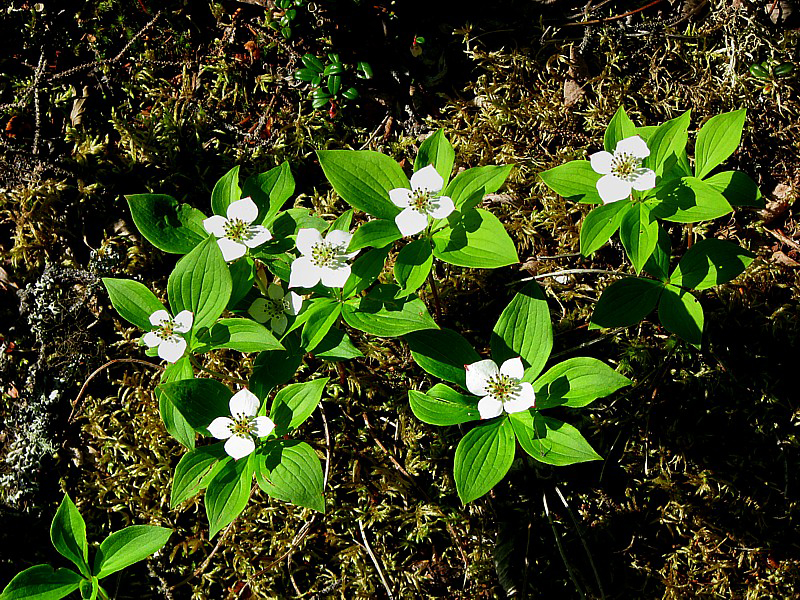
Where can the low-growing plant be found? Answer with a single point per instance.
(325, 80)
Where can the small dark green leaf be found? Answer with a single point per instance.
(575, 180)
(228, 492)
(412, 265)
(364, 271)
(710, 262)
(478, 239)
(322, 315)
(174, 422)
(681, 313)
(381, 313)
(270, 190)
(336, 345)
(436, 151)
(68, 534)
(133, 301)
(200, 401)
(42, 583)
(272, 369)
(717, 140)
(688, 200)
(476, 183)
(638, 231)
(442, 353)
(600, 224)
(626, 302)
(619, 128)
(192, 470)
(737, 187)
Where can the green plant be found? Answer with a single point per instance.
(326, 80)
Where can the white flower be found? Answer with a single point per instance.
(275, 307)
(623, 171)
(236, 233)
(421, 201)
(321, 260)
(501, 389)
(242, 426)
(170, 346)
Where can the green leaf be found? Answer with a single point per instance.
(89, 588)
(226, 191)
(442, 353)
(710, 262)
(667, 142)
(200, 283)
(600, 224)
(130, 545)
(242, 279)
(551, 441)
(412, 265)
(289, 222)
(290, 470)
(336, 345)
(626, 302)
(244, 335)
(443, 406)
(638, 232)
(681, 313)
(269, 190)
(376, 234)
(364, 271)
(363, 179)
(619, 128)
(322, 315)
(174, 422)
(271, 369)
(658, 263)
(380, 313)
(436, 151)
(483, 457)
(524, 330)
(228, 492)
(478, 239)
(343, 221)
(42, 582)
(473, 184)
(192, 470)
(576, 382)
(68, 534)
(717, 140)
(294, 404)
(575, 180)
(737, 187)
(688, 200)
(200, 401)
(168, 225)
(133, 301)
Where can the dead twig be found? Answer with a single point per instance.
(375, 560)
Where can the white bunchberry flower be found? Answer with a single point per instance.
(421, 201)
(275, 307)
(322, 259)
(622, 171)
(243, 424)
(501, 389)
(170, 346)
(237, 233)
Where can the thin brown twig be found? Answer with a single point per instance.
(615, 17)
(375, 560)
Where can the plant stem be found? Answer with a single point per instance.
(435, 293)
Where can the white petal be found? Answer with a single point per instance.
(231, 250)
(489, 407)
(601, 162)
(645, 180)
(400, 197)
(278, 324)
(306, 239)
(172, 348)
(295, 304)
(157, 317)
(275, 291)
(335, 278)
(523, 400)
(244, 403)
(340, 238)
(258, 235)
(304, 273)
(263, 426)
(220, 428)
(258, 310)
(244, 210)
(215, 225)
(239, 447)
(151, 339)
(611, 188)
(634, 146)
(478, 373)
(442, 207)
(183, 321)
(411, 221)
(513, 368)
(427, 179)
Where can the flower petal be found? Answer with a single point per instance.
(441, 207)
(183, 321)
(489, 407)
(275, 291)
(400, 197)
(231, 250)
(478, 373)
(172, 348)
(427, 179)
(239, 446)
(523, 399)
(513, 367)
(340, 238)
(258, 310)
(411, 221)
(645, 180)
(611, 188)
(601, 162)
(244, 403)
(258, 235)
(152, 339)
(304, 273)
(295, 304)
(158, 317)
(634, 145)
(215, 225)
(278, 324)
(263, 426)
(335, 278)
(307, 238)
(244, 210)
(220, 428)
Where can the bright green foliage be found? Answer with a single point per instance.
(436, 150)
(68, 534)
(290, 470)
(475, 239)
(128, 546)
(412, 266)
(168, 225)
(228, 492)
(133, 301)
(174, 421)
(442, 353)
(295, 403)
(483, 457)
(269, 190)
(226, 192)
(551, 441)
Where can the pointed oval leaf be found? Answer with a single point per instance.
(133, 301)
(717, 139)
(638, 232)
(667, 142)
(68, 534)
(600, 224)
(710, 262)
(165, 223)
(242, 280)
(228, 492)
(436, 151)
(271, 369)
(577, 382)
(619, 128)
(478, 239)
(381, 313)
(738, 188)
(575, 180)
(322, 315)
(294, 404)
(192, 469)
(442, 353)
(128, 546)
(688, 200)
(269, 190)
(412, 265)
(290, 470)
(42, 582)
(365, 270)
(442, 405)
(472, 185)
(483, 457)
(374, 234)
(244, 335)
(226, 191)
(175, 423)
(200, 401)
(681, 313)
(551, 441)
(626, 302)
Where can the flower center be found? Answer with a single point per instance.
(274, 308)
(625, 165)
(237, 230)
(502, 387)
(420, 201)
(166, 330)
(243, 425)
(324, 254)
